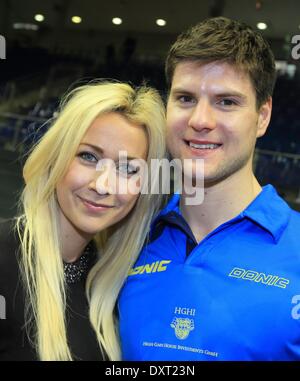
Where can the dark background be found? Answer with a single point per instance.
(46, 59)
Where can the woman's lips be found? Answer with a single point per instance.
(94, 207)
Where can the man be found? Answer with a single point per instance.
(219, 280)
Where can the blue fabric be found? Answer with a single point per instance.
(231, 298)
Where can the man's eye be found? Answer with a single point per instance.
(185, 98)
(227, 102)
(87, 156)
(127, 169)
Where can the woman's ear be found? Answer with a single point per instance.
(264, 117)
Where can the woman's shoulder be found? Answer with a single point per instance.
(13, 343)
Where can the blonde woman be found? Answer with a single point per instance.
(65, 258)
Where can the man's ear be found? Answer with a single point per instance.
(264, 117)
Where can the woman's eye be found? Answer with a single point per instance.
(127, 169)
(87, 156)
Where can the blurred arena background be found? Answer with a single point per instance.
(54, 45)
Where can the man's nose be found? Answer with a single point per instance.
(203, 116)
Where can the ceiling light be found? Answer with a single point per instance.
(161, 22)
(117, 21)
(39, 17)
(76, 19)
(262, 25)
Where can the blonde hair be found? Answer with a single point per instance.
(38, 225)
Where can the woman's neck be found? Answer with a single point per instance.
(73, 241)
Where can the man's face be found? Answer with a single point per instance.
(212, 115)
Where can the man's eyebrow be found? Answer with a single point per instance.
(180, 90)
(221, 93)
(231, 93)
(101, 151)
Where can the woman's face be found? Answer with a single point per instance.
(87, 198)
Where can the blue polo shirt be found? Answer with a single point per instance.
(233, 296)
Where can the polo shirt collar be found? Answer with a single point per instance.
(268, 210)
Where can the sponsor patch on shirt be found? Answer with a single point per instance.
(149, 268)
(258, 277)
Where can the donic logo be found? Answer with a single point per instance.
(183, 327)
(254, 276)
(154, 267)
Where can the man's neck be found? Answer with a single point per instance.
(222, 202)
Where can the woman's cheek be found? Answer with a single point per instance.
(78, 176)
(127, 200)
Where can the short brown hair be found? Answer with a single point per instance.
(222, 39)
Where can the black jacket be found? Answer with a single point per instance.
(14, 343)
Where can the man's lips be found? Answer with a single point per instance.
(201, 142)
(202, 148)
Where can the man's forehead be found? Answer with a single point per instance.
(189, 75)
(190, 68)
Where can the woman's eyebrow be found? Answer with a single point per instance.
(96, 148)
(100, 150)
(128, 158)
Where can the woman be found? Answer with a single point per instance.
(77, 232)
